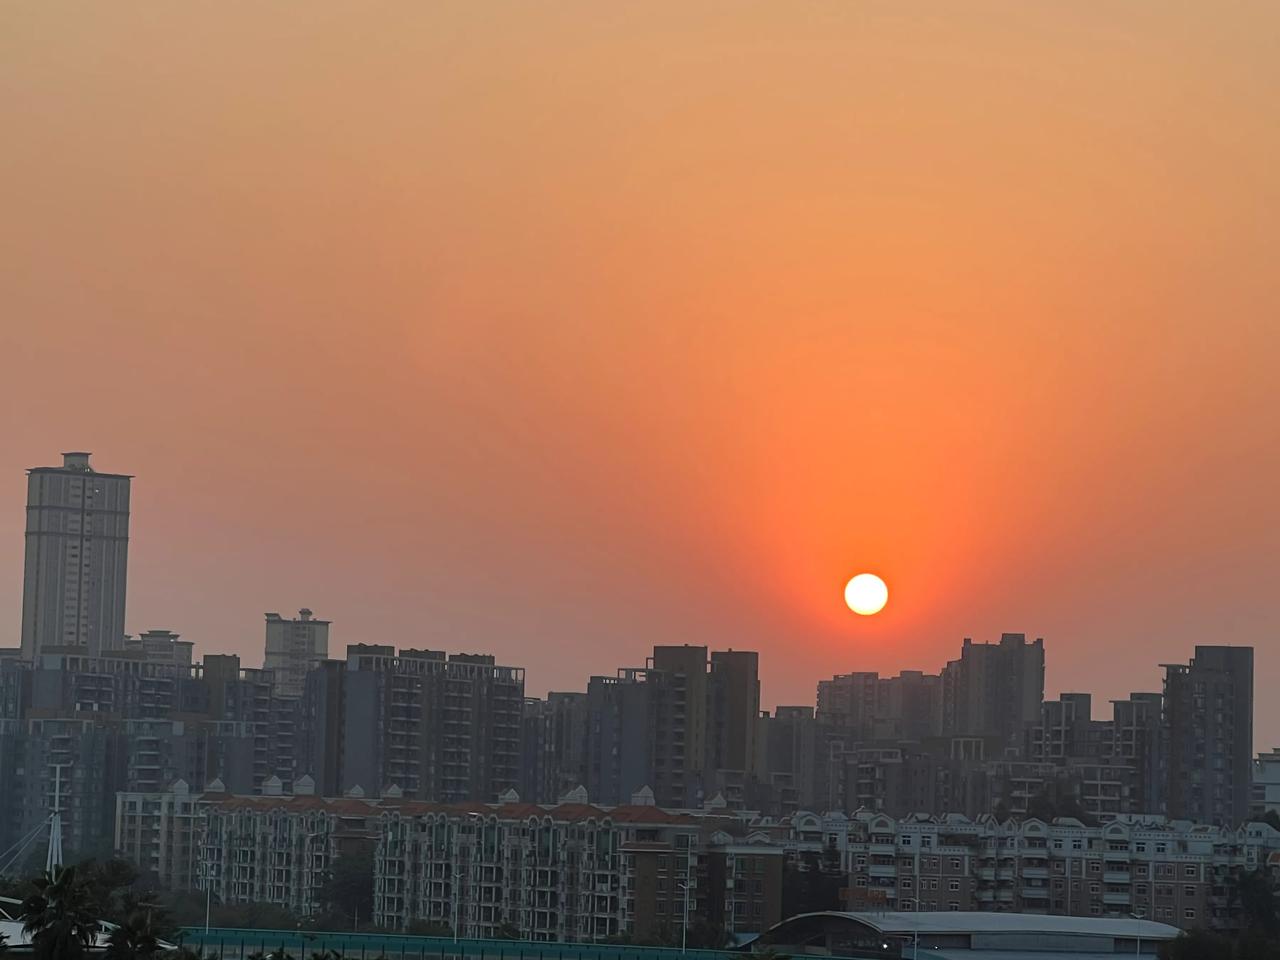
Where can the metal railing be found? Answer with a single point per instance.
(229, 943)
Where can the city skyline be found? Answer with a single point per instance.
(78, 464)
(581, 330)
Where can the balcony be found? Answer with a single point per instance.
(1035, 873)
(1115, 876)
(1115, 899)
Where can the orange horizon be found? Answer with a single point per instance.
(559, 332)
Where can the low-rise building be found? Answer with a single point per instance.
(572, 871)
(279, 849)
(1171, 871)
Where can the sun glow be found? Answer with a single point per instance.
(866, 594)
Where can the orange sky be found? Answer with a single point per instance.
(557, 330)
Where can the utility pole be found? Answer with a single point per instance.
(688, 882)
(208, 894)
(53, 859)
(915, 933)
(1140, 915)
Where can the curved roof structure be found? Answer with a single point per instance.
(968, 934)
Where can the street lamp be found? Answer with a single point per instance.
(684, 930)
(208, 894)
(915, 932)
(1140, 915)
(688, 883)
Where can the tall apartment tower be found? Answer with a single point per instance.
(733, 714)
(1208, 720)
(293, 648)
(435, 726)
(77, 553)
(994, 689)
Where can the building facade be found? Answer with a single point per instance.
(77, 558)
(1165, 870)
(293, 649)
(1208, 719)
(572, 872)
(436, 726)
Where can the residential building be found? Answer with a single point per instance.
(437, 726)
(554, 747)
(1166, 870)
(994, 689)
(573, 871)
(1265, 796)
(77, 554)
(733, 709)
(866, 706)
(159, 832)
(294, 648)
(1208, 720)
(279, 849)
(160, 646)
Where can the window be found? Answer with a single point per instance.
(905, 883)
(955, 863)
(1189, 913)
(1095, 888)
(953, 885)
(1188, 891)
(953, 905)
(1189, 873)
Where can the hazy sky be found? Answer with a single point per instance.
(558, 330)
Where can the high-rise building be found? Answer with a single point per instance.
(433, 726)
(554, 746)
(994, 689)
(867, 706)
(77, 552)
(293, 648)
(733, 712)
(1208, 719)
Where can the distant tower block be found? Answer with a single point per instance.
(293, 648)
(77, 556)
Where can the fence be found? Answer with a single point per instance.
(238, 944)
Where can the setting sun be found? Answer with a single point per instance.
(866, 594)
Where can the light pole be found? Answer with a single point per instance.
(684, 930)
(208, 894)
(915, 932)
(688, 883)
(1138, 916)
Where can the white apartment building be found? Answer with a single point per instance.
(293, 647)
(1171, 871)
(159, 832)
(77, 555)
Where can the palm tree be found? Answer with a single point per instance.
(58, 917)
(131, 940)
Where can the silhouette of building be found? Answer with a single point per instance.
(437, 727)
(994, 689)
(77, 555)
(1208, 719)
